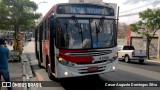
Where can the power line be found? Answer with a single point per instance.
(130, 14)
(156, 2)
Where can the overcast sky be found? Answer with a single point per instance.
(126, 6)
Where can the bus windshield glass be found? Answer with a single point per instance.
(85, 33)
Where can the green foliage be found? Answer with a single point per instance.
(149, 23)
(18, 14)
(3, 16)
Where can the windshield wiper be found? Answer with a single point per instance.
(97, 31)
(78, 26)
(66, 25)
(98, 27)
(67, 34)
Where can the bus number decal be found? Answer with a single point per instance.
(103, 58)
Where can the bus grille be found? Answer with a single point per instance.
(91, 53)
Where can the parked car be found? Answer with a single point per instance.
(128, 53)
(28, 36)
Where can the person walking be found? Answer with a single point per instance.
(4, 54)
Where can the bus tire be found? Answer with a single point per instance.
(39, 64)
(49, 72)
(50, 75)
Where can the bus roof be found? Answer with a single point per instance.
(112, 5)
(54, 6)
(50, 11)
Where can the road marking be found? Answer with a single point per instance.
(143, 72)
(39, 76)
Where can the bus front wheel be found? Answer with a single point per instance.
(49, 72)
(39, 62)
(50, 75)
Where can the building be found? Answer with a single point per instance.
(139, 43)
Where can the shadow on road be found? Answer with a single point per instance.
(137, 63)
(152, 66)
(83, 83)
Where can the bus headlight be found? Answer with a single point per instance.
(65, 62)
(60, 59)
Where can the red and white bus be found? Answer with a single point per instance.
(77, 39)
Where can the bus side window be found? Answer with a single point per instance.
(43, 31)
(46, 30)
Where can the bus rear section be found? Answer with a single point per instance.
(77, 40)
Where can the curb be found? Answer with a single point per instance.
(26, 69)
(23, 70)
(155, 61)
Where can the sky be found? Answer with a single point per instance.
(126, 7)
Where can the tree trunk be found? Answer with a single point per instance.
(16, 29)
(148, 44)
(18, 38)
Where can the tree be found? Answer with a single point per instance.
(18, 15)
(148, 25)
(21, 14)
(4, 12)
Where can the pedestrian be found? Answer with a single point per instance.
(4, 54)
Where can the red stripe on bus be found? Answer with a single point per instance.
(76, 59)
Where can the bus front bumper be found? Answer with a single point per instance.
(82, 70)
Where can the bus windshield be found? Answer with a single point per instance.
(85, 33)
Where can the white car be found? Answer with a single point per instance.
(128, 53)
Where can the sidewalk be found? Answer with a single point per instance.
(16, 71)
(154, 60)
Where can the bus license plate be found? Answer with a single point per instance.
(93, 69)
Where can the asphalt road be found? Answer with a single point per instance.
(146, 65)
(133, 71)
(95, 83)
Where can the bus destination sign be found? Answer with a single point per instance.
(85, 10)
